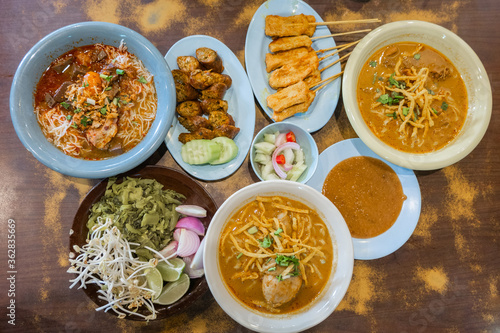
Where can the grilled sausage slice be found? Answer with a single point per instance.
(210, 105)
(209, 59)
(215, 91)
(189, 109)
(183, 90)
(187, 64)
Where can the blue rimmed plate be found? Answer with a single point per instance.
(241, 106)
(256, 47)
(402, 229)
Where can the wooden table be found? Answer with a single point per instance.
(445, 278)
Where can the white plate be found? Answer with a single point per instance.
(402, 229)
(256, 47)
(240, 105)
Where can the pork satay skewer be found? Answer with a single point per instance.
(293, 42)
(297, 108)
(294, 72)
(291, 95)
(276, 60)
(339, 22)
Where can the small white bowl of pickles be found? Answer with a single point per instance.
(284, 151)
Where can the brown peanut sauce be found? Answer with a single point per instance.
(368, 194)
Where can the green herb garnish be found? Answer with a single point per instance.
(393, 81)
(444, 106)
(283, 260)
(142, 80)
(239, 255)
(373, 63)
(103, 111)
(85, 121)
(120, 71)
(417, 56)
(65, 105)
(69, 117)
(105, 77)
(278, 232)
(266, 242)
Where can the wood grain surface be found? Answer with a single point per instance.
(446, 278)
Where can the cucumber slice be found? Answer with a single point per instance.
(264, 147)
(262, 158)
(228, 150)
(200, 151)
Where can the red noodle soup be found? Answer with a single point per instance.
(96, 101)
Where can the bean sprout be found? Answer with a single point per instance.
(108, 261)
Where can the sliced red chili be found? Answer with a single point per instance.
(290, 137)
(280, 159)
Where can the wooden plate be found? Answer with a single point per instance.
(171, 179)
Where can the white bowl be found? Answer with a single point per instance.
(304, 139)
(466, 62)
(340, 276)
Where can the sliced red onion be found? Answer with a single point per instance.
(197, 262)
(177, 234)
(192, 273)
(191, 223)
(189, 242)
(287, 167)
(191, 210)
(170, 250)
(280, 139)
(277, 151)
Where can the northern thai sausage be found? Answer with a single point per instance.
(209, 59)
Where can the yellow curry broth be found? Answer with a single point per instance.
(243, 274)
(443, 84)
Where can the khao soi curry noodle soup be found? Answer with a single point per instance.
(275, 255)
(412, 97)
(96, 101)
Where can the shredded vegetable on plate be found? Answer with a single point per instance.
(109, 261)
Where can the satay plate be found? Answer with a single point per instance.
(256, 47)
(241, 107)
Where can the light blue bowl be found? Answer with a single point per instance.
(303, 138)
(37, 61)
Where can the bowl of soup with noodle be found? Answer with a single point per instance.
(417, 95)
(92, 100)
(278, 256)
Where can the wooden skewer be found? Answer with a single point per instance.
(336, 61)
(341, 47)
(346, 46)
(326, 81)
(342, 34)
(340, 22)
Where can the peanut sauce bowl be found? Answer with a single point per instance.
(38, 59)
(467, 64)
(319, 308)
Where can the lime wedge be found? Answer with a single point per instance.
(173, 291)
(171, 272)
(155, 281)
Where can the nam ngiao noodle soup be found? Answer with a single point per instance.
(96, 101)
